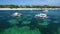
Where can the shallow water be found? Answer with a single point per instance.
(27, 22)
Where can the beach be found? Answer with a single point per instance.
(29, 8)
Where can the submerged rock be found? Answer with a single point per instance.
(13, 21)
(26, 22)
(21, 30)
(43, 23)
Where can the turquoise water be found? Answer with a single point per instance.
(27, 24)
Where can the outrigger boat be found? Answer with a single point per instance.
(16, 14)
(46, 10)
(41, 15)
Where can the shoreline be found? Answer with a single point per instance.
(29, 8)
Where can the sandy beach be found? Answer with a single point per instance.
(29, 8)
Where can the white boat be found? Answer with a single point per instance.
(45, 10)
(41, 15)
(16, 14)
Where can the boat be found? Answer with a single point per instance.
(41, 15)
(46, 10)
(16, 14)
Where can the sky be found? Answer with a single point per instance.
(30, 2)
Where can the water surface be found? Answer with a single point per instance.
(27, 22)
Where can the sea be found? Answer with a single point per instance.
(28, 24)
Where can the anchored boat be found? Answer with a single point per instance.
(16, 14)
(41, 15)
(45, 10)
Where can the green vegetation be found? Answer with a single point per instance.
(26, 6)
